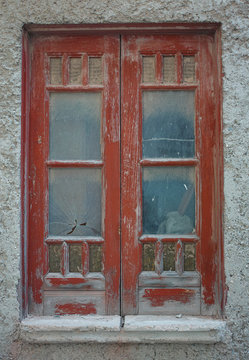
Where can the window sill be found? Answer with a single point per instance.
(136, 329)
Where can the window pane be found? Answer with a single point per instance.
(148, 260)
(188, 69)
(149, 69)
(168, 124)
(169, 255)
(75, 258)
(95, 258)
(75, 69)
(189, 257)
(55, 71)
(95, 70)
(75, 202)
(75, 126)
(55, 258)
(169, 69)
(168, 200)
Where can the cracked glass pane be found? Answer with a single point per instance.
(75, 202)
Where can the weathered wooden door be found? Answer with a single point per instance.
(74, 247)
(118, 224)
(167, 174)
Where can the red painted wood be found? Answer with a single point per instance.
(208, 160)
(159, 296)
(125, 28)
(210, 174)
(72, 309)
(39, 153)
(169, 162)
(207, 193)
(24, 168)
(130, 173)
(75, 164)
(111, 178)
(169, 238)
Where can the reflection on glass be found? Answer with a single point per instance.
(75, 258)
(55, 258)
(75, 202)
(169, 255)
(75, 126)
(189, 257)
(95, 258)
(148, 257)
(168, 124)
(168, 200)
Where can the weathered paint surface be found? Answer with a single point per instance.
(72, 309)
(233, 15)
(39, 237)
(157, 297)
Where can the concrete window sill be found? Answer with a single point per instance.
(135, 329)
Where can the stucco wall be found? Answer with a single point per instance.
(233, 14)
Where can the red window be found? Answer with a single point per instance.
(123, 172)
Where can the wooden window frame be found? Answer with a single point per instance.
(213, 280)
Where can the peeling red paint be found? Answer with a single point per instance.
(159, 296)
(72, 309)
(65, 281)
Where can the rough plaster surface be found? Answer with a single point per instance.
(233, 14)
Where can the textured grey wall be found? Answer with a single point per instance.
(235, 35)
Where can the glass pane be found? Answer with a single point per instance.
(169, 69)
(95, 70)
(168, 124)
(55, 258)
(189, 257)
(75, 258)
(75, 202)
(95, 258)
(169, 255)
(148, 259)
(75, 68)
(75, 126)
(188, 69)
(55, 71)
(168, 200)
(148, 69)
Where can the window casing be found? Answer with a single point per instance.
(130, 253)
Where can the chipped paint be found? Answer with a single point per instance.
(72, 309)
(157, 297)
